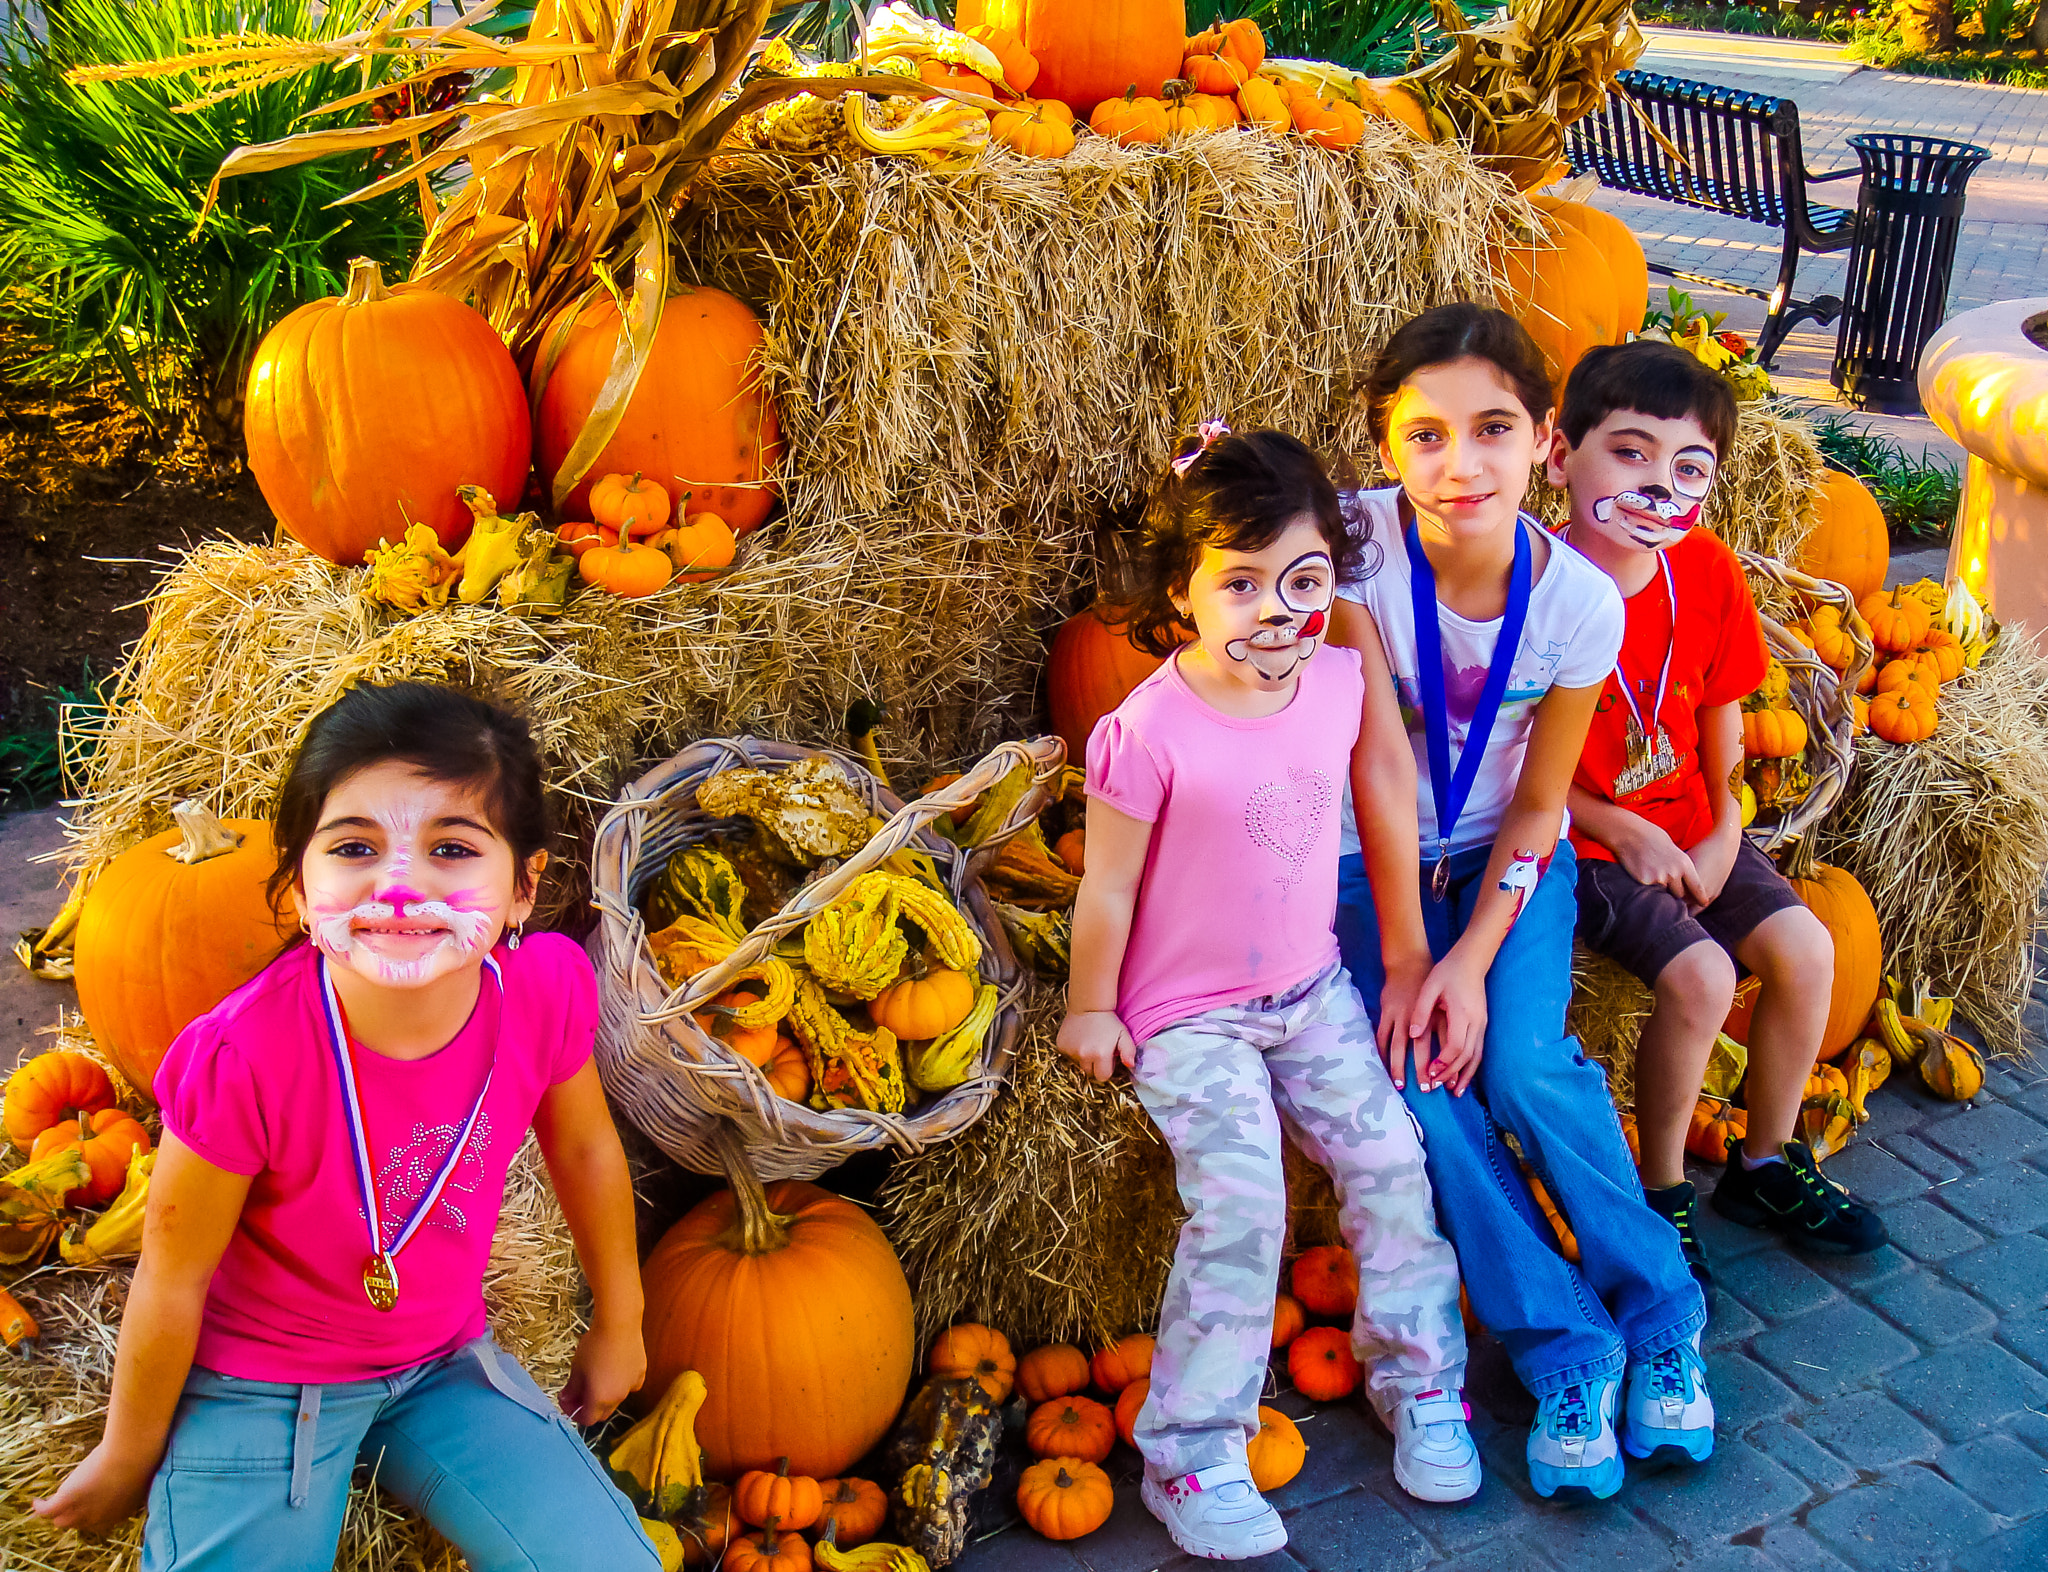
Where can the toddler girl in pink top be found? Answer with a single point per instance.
(336, 1138)
(1205, 961)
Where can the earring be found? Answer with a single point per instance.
(512, 938)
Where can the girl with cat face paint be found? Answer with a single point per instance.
(1205, 963)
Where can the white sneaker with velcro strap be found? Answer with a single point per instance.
(1216, 1513)
(1434, 1458)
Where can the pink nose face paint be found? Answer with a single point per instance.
(1286, 640)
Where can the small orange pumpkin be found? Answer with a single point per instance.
(1945, 650)
(1188, 111)
(980, 1352)
(1773, 734)
(1714, 1124)
(788, 1071)
(1898, 621)
(855, 1510)
(920, 1008)
(1262, 104)
(1020, 65)
(1325, 1280)
(630, 505)
(1321, 1365)
(1289, 1319)
(1239, 42)
(1277, 1452)
(1128, 1404)
(699, 546)
(939, 74)
(625, 569)
(769, 1552)
(49, 1089)
(1567, 1241)
(1064, 1498)
(778, 1500)
(1130, 120)
(1903, 715)
(1071, 1427)
(1214, 73)
(1912, 669)
(1326, 121)
(580, 535)
(1035, 128)
(755, 1044)
(1052, 1371)
(1123, 1362)
(108, 1139)
(1831, 641)
(1072, 849)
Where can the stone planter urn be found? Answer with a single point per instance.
(1984, 380)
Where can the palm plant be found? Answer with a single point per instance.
(102, 187)
(1380, 37)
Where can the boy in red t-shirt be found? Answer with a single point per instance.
(1669, 887)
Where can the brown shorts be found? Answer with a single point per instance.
(1642, 927)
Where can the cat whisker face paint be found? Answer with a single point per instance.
(1295, 614)
(405, 942)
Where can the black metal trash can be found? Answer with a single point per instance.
(1909, 214)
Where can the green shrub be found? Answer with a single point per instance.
(101, 188)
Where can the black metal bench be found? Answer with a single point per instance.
(1741, 157)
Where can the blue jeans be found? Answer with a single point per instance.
(256, 1475)
(1631, 1296)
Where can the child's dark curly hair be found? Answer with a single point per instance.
(1239, 494)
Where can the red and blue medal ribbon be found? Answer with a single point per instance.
(380, 1273)
(1449, 790)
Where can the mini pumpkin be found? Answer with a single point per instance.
(1239, 42)
(1945, 650)
(1072, 849)
(855, 1510)
(625, 569)
(1020, 65)
(1897, 620)
(971, 1351)
(630, 505)
(108, 1138)
(922, 1007)
(1289, 1320)
(1035, 129)
(1071, 1427)
(1123, 1362)
(777, 1500)
(1325, 1280)
(1129, 1403)
(768, 1552)
(1277, 1452)
(1832, 642)
(1824, 1081)
(1326, 121)
(49, 1089)
(1052, 1371)
(1214, 73)
(1903, 715)
(580, 535)
(961, 80)
(1910, 670)
(1714, 1124)
(1064, 1498)
(1321, 1365)
(1773, 734)
(1188, 111)
(1130, 120)
(1262, 104)
(788, 1071)
(755, 1044)
(699, 546)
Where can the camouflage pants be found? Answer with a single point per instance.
(1218, 1086)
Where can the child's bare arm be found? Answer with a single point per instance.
(1720, 754)
(1092, 1034)
(192, 1213)
(588, 1166)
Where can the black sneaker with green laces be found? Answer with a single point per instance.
(1795, 1199)
(1675, 1204)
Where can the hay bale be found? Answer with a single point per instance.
(52, 1408)
(1950, 838)
(1606, 1014)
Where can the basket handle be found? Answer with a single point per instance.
(1044, 756)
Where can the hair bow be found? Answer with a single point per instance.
(1210, 432)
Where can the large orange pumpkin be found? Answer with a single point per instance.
(1840, 903)
(1562, 291)
(1621, 250)
(1091, 670)
(169, 929)
(1849, 542)
(1088, 53)
(365, 412)
(699, 423)
(794, 1309)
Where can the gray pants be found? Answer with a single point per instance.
(1218, 1086)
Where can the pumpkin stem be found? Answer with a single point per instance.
(758, 1229)
(1065, 1480)
(365, 282)
(202, 835)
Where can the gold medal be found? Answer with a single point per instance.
(380, 1281)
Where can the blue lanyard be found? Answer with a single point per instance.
(1448, 790)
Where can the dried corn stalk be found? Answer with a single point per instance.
(1511, 85)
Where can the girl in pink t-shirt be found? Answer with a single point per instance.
(1205, 961)
(336, 1138)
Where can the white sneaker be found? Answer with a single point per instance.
(1216, 1513)
(1668, 1416)
(1434, 1458)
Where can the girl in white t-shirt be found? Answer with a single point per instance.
(1500, 638)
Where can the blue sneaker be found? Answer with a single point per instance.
(1668, 1417)
(1573, 1454)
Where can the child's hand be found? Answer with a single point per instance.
(1097, 1041)
(1652, 857)
(1402, 1026)
(609, 1365)
(1455, 994)
(1714, 860)
(100, 1494)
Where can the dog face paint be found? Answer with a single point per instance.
(1288, 635)
(1261, 614)
(1654, 517)
(1647, 478)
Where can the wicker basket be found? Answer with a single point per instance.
(1820, 697)
(676, 1082)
